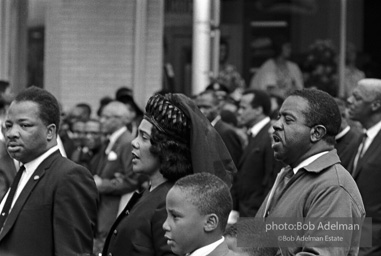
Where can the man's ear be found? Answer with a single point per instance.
(318, 132)
(376, 105)
(259, 109)
(211, 222)
(51, 132)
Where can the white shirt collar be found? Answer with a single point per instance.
(308, 161)
(29, 170)
(113, 138)
(215, 120)
(342, 133)
(258, 126)
(61, 146)
(2, 138)
(32, 165)
(203, 251)
(372, 131)
(371, 134)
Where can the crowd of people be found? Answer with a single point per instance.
(186, 174)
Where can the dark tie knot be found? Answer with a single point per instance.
(288, 172)
(22, 168)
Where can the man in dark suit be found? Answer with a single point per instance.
(112, 167)
(52, 209)
(347, 138)
(7, 169)
(365, 107)
(210, 105)
(7, 165)
(257, 167)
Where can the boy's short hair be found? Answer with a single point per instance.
(209, 194)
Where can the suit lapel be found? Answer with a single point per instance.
(247, 150)
(119, 142)
(125, 136)
(101, 162)
(25, 193)
(350, 166)
(218, 125)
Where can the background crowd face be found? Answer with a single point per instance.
(93, 134)
(113, 117)
(144, 162)
(78, 129)
(78, 113)
(247, 115)
(291, 136)
(26, 134)
(360, 103)
(208, 106)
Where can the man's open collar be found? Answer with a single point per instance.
(323, 162)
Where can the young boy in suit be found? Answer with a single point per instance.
(198, 207)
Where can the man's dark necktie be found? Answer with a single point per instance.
(11, 195)
(103, 158)
(359, 154)
(250, 137)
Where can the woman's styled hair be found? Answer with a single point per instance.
(170, 137)
(174, 156)
(184, 140)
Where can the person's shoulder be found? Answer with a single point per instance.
(64, 165)
(223, 249)
(339, 182)
(156, 197)
(332, 181)
(225, 126)
(325, 170)
(268, 63)
(333, 177)
(293, 65)
(161, 192)
(153, 202)
(343, 177)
